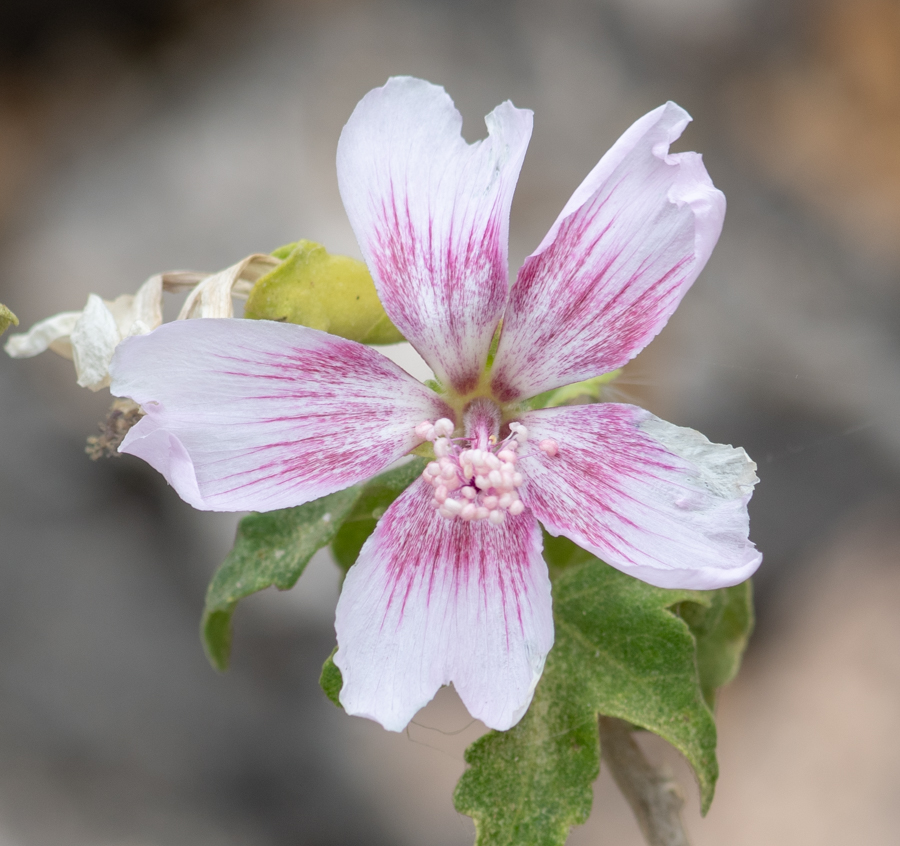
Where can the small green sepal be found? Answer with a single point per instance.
(313, 288)
(330, 679)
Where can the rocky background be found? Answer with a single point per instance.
(146, 135)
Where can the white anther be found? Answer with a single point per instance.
(433, 469)
(482, 482)
(497, 517)
(517, 479)
(507, 455)
(443, 428)
(492, 461)
(549, 446)
(517, 508)
(520, 432)
(506, 500)
(447, 515)
(482, 513)
(442, 447)
(469, 511)
(448, 471)
(440, 494)
(469, 492)
(490, 502)
(424, 430)
(454, 506)
(496, 478)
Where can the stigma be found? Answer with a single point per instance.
(474, 477)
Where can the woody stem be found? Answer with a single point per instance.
(654, 797)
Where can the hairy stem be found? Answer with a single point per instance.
(655, 798)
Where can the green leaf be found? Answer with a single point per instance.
(330, 680)
(620, 651)
(7, 319)
(270, 549)
(531, 784)
(721, 629)
(349, 541)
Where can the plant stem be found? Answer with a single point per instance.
(655, 798)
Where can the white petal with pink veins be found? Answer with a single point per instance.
(614, 266)
(255, 415)
(431, 214)
(432, 601)
(657, 501)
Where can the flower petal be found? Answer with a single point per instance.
(432, 601)
(431, 214)
(255, 415)
(654, 500)
(614, 266)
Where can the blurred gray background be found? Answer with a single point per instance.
(146, 135)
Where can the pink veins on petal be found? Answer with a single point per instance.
(451, 587)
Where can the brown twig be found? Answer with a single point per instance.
(655, 798)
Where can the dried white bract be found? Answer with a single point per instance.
(90, 337)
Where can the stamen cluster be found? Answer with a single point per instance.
(470, 482)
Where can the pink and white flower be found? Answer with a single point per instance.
(451, 586)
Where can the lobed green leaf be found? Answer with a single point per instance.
(622, 650)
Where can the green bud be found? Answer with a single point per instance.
(7, 319)
(313, 288)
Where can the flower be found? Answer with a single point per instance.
(89, 337)
(451, 586)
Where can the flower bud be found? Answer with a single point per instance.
(333, 293)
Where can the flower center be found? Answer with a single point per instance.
(474, 477)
